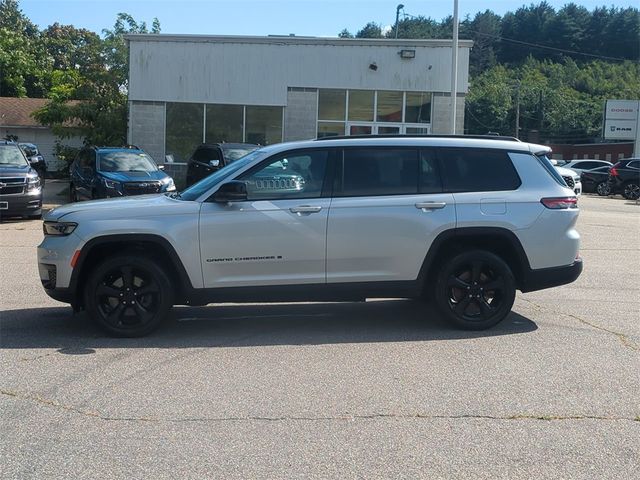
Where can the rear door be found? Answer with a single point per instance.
(387, 208)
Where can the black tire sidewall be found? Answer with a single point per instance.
(448, 267)
(624, 190)
(144, 263)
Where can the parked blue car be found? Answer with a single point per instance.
(105, 172)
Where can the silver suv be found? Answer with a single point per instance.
(462, 221)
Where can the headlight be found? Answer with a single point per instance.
(171, 186)
(33, 183)
(58, 228)
(110, 183)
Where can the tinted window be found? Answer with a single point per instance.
(294, 175)
(429, 172)
(376, 171)
(634, 164)
(478, 170)
(205, 154)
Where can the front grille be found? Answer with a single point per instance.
(141, 188)
(12, 186)
(569, 181)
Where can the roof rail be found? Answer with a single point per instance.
(476, 137)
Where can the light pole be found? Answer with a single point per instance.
(398, 8)
(454, 68)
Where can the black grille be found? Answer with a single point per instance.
(569, 181)
(52, 272)
(140, 188)
(12, 186)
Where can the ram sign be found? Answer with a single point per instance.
(621, 119)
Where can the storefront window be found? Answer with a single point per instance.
(224, 123)
(389, 107)
(264, 125)
(361, 105)
(418, 108)
(330, 129)
(331, 104)
(184, 127)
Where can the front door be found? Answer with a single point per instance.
(277, 236)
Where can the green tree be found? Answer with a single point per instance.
(370, 30)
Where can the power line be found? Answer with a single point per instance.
(544, 47)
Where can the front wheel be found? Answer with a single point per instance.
(631, 191)
(603, 189)
(128, 296)
(475, 290)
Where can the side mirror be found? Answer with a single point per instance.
(214, 163)
(161, 167)
(233, 191)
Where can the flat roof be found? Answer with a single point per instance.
(294, 40)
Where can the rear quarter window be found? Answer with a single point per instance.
(477, 170)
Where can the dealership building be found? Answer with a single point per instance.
(188, 89)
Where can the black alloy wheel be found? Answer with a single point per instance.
(129, 296)
(475, 290)
(631, 191)
(603, 189)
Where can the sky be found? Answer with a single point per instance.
(321, 18)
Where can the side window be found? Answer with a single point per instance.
(298, 175)
(206, 154)
(477, 170)
(377, 171)
(83, 159)
(634, 164)
(429, 173)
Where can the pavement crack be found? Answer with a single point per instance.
(293, 418)
(624, 339)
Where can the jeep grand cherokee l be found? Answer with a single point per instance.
(463, 221)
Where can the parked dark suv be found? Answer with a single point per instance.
(104, 172)
(624, 178)
(211, 157)
(20, 190)
(37, 161)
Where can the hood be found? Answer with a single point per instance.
(123, 207)
(567, 172)
(124, 177)
(15, 170)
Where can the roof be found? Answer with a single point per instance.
(17, 112)
(295, 40)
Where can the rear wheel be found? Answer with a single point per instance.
(475, 290)
(128, 296)
(603, 189)
(631, 191)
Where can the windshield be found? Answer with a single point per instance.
(124, 161)
(233, 154)
(198, 188)
(11, 155)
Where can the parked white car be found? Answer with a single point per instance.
(586, 164)
(463, 221)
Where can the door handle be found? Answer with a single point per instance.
(305, 209)
(431, 205)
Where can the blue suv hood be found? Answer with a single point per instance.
(124, 177)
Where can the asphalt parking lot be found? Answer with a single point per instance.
(363, 390)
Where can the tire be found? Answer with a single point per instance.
(461, 294)
(631, 190)
(603, 189)
(128, 296)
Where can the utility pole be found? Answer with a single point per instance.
(398, 8)
(517, 132)
(454, 68)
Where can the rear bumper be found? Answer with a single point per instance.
(551, 277)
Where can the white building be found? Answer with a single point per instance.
(188, 89)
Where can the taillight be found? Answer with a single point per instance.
(558, 203)
(613, 172)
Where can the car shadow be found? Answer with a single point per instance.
(248, 326)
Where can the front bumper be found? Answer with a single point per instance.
(23, 204)
(542, 278)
